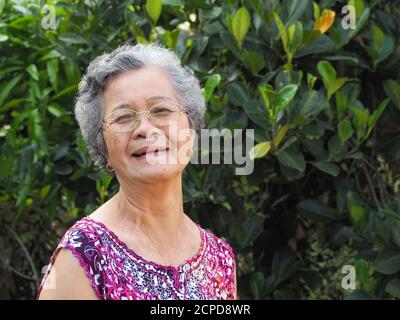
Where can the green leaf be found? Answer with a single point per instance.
(280, 135)
(23, 194)
(393, 288)
(288, 143)
(52, 54)
(295, 34)
(267, 94)
(260, 150)
(238, 96)
(253, 228)
(357, 213)
(381, 46)
(345, 130)
(296, 9)
(392, 89)
(52, 71)
(56, 110)
(377, 35)
(240, 25)
(10, 104)
(44, 191)
(71, 71)
(336, 85)
(3, 37)
(73, 38)
(153, 8)
(316, 211)
(362, 115)
(61, 151)
(337, 149)
(376, 115)
(388, 262)
(33, 71)
(285, 95)
(253, 61)
(63, 92)
(211, 84)
(63, 169)
(311, 79)
(312, 102)
(282, 32)
(316, 11)
(328, 167)
(7, 164)
(6, 89)
(314, 42)
(2, 4)
(292, 158)
(230, 42)
(284, 264)
(362, 270)
(327, 72)
(386, 49)
(257, 284)
(358, 6)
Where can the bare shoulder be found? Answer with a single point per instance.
(67, 280)
(103, 213)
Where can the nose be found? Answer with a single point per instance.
(144, 114)
(143, 126)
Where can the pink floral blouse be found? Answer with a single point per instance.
(118, 273)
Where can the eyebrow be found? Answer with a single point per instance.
(154, 98)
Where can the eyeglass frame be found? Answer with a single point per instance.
(107, 124)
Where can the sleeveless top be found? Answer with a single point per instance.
(118, 273)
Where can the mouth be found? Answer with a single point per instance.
(156, 152)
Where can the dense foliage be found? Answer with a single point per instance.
(324, 102)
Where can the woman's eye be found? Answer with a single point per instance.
(124, 117)
(161, 110)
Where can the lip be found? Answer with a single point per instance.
(154, 153)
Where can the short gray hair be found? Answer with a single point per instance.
(89, 109)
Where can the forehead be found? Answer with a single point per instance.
(138, 89)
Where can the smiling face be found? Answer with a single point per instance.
(139, 90)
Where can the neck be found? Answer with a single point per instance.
(151, 209)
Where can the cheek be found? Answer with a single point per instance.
(116, 146)
(185, 145)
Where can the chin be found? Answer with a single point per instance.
(158, 172)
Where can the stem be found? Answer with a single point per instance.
(371, 186)
(29, 258)
(12, 269)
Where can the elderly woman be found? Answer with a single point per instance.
(138, 110)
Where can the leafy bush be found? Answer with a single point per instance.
(324, 102)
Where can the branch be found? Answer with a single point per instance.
(371, 186)
(12, 269)
(29, 258)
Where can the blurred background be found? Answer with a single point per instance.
(316, 80)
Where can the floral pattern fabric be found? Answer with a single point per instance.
(118, 273)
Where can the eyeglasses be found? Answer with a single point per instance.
(125, 120)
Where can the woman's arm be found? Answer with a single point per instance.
(67, 280)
